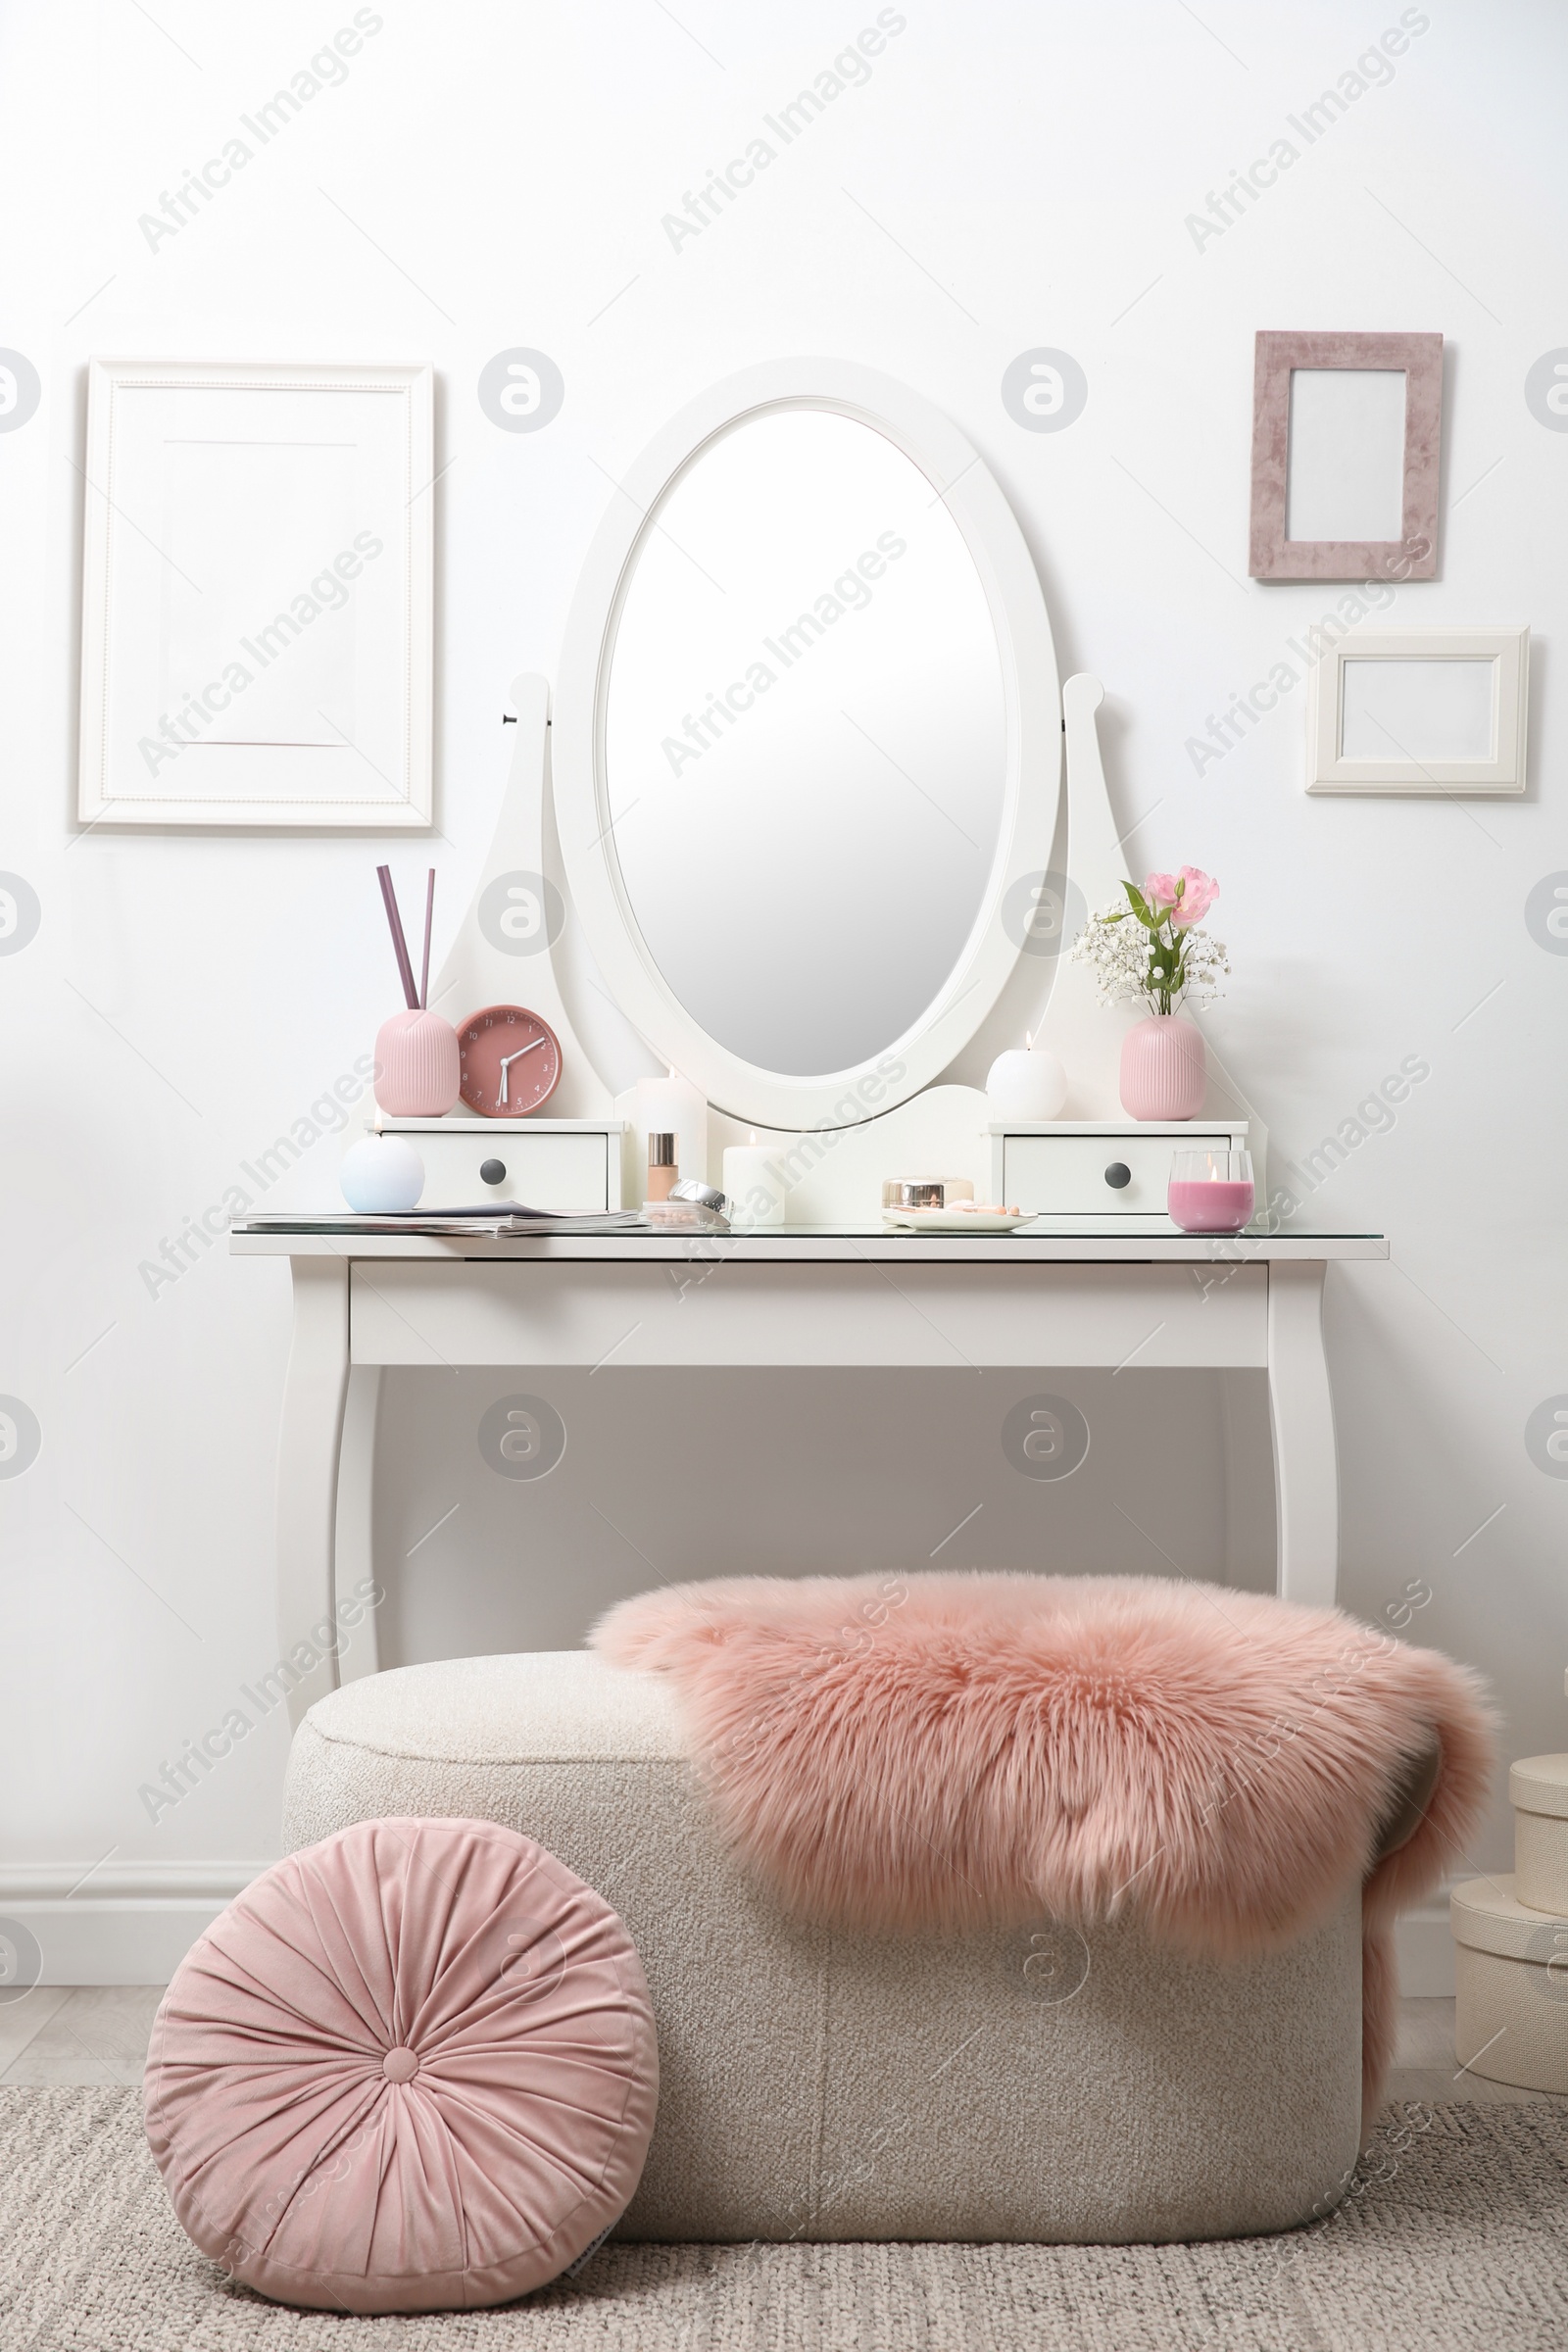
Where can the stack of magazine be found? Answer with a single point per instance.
(496, 1220)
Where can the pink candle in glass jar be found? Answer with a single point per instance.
(1211, 1191)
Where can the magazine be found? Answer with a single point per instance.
(496, 1220)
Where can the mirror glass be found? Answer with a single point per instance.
(805, 743)
(1345, 478)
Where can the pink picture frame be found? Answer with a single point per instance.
(1413, 556)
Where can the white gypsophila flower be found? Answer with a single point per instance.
(1207, 962)
(1117, 954)
(1116, 949)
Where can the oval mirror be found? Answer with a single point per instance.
(806, 739)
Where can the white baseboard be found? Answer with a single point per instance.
(1423, 1946)
(127, 1925)
(135, 1924)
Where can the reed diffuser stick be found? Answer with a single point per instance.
(400, 946)
(425, 968)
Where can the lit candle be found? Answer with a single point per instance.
(1029, 1087)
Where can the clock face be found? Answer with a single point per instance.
(511, 1062)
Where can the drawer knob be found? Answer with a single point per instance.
(494, 1171)
(1118, 1174)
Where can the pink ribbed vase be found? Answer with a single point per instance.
(1163, 1071)
(418, 1069)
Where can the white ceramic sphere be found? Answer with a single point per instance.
(1028, 1086)
(381, 1175)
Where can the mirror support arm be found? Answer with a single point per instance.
(476, 971)
(1076, 1025)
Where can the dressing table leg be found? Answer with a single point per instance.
(313, 1395)
(353, 1563)
(1307, 1475)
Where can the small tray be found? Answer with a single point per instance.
(951, 1220)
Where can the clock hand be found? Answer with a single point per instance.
(507, 1061)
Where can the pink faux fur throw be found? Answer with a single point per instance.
(944, 1752)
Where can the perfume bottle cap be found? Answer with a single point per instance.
(660, 1151)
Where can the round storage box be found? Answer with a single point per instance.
(1537, 1791)
(1511, 1979)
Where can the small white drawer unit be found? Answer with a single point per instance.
(1100, 1168)
(571, 1167)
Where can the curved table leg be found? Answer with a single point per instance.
(308, 1453)
(354, 1562)
(1307, 1474)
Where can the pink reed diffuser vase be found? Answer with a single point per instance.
(418, 1069)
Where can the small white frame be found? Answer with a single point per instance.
(1507, 650)
(337, 458)
(1032, 697)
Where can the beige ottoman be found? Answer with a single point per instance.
(1011, 2085)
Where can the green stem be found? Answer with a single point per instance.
(1171, 976)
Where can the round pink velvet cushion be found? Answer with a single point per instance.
(411, 2069)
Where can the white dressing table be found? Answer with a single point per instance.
(1044, 1301)
(825, 867)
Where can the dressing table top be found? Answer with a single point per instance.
(1129, 1240)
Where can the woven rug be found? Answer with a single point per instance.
(1454, 2234)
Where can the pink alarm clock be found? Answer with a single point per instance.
(511, 1062)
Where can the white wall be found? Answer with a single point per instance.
(1010, 175)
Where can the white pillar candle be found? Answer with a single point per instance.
(755, 1183)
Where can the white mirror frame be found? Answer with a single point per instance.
(1032, 703)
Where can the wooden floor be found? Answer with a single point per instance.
(97, 2033)
(78, 2034)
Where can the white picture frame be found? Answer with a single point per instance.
(1376, 724)
(242, 517)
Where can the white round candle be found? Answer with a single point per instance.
(1028, 1085)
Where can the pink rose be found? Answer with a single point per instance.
(1160, 891)
(1198, 897)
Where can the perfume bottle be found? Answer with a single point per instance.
(671, 1106)
(661, 1169)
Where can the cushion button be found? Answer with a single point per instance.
(400, 2066)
